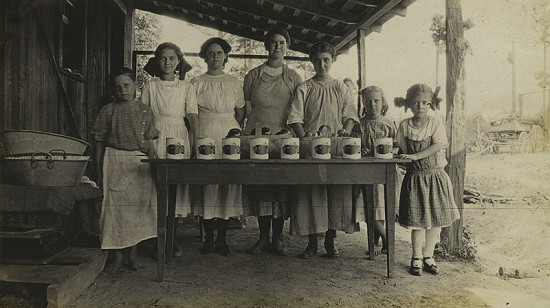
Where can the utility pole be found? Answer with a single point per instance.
(545, 47)
(512, 59)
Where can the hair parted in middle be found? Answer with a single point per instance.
(322, 47)
(215, 40)
(276, 30)
(152, 66)
(375, 89)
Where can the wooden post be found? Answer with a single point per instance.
(456, 153)
(361, 65)
(513, 61)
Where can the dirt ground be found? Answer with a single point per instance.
(509, 229)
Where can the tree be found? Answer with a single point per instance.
(439, 36)
(147, 31)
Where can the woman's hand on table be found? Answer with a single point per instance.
(408, 156)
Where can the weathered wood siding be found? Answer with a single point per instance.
(30, 93)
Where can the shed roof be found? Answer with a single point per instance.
(308, 21)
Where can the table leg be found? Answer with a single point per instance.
(369, 205)
(162, 202)
(390, 187)
(172, 193)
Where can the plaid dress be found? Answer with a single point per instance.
(426, 193)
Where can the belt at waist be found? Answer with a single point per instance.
(169, 119)
(424, 171)
(214, 115)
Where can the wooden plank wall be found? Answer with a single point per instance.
(30, 95)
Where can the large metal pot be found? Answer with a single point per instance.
(45, 169)
(29, 141)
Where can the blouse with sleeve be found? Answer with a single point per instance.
(433, 128)
(318, 103)
(125, 126)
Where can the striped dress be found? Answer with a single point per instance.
(427, 199)
(373, 128)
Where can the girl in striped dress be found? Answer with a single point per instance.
(124, 131)
(427, 203)
(372, 126)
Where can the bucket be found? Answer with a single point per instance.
(206, 148)
(231, 148)
(175, 148)
(290, 148)
(383, 148)
(351, 148)
(259, 148)
(320, 147)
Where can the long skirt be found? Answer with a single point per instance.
(129, 209)
(317, 208)
(375, 195)
(217, 201)
(427, 200)
(174, 127)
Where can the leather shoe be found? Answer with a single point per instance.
(207, 247)
(310, 251)
(261, 245)
(330, 248)
(222, 249)
(278, 247)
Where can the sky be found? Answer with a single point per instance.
(396, 59)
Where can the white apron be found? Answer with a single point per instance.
(217, 201)
(129, 208)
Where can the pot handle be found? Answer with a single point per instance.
(59, 151)
(34, 163)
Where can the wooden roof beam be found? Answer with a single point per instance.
(247, 22)
(313, 8)
(236, 29)
(367, 3)
(268, 14)
(400, 10)
(368, 21)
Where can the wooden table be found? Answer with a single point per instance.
(273, 172)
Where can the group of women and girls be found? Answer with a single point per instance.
(274, 96)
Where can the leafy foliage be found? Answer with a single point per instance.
(439, 32)
(147, 31)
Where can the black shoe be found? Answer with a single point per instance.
(330, 248)
(415, 270)
(278, 247)
(430, 268)
(221, 248)
(310, 251)
(261, 245)
(207, 247)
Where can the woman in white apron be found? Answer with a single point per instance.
(172, 100)
(221, 108)
(268, 92)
